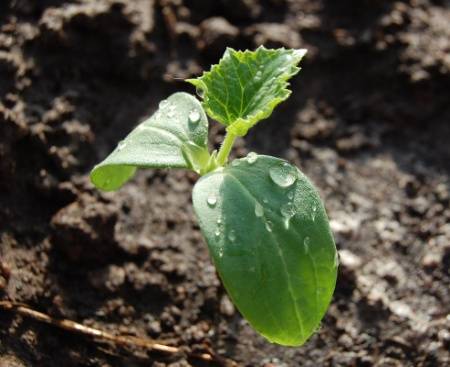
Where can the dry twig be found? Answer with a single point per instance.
(103, 336)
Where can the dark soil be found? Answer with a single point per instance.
(368, 122)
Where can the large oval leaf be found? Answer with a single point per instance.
(174, 137)
(269, 237)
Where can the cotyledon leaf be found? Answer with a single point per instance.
(175, 136)
(269, 237)
(245, 86)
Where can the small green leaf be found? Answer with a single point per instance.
(174, 137)
(269, 237)
(246, 86)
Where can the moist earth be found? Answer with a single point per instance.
(368, 122)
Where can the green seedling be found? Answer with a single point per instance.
(263, 220)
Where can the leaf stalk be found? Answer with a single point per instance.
(225, 149)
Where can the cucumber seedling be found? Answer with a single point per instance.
(263, 220)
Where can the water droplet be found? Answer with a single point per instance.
(269, 226)
(220, 251)
(122, 144)
(194, 116)
(219, 222)
(232, 236)
(163, 103)
(283, 174)
(217, 233)
(212, 201)
(259, 210)
(306, 243)
(314, 212)
(200, 92)
(252, 157)
(336, 259)
(288, 210)
(236, 163)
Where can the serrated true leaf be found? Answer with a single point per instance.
(269, 237)
(246, 86)
(173, 137)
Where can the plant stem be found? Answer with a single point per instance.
(225, 149)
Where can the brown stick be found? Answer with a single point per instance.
(101, 335)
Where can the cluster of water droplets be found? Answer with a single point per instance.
(211, 201)
(285, 175)
(251, 159)
(167, 108)
(313, 212)
(288, 210)
(259, 73)
(218, 231)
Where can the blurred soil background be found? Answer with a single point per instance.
(368, 122)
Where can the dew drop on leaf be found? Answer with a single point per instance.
(314, 212)
(290, 194)
(269, 226)
(163, 103)
(336, 259)
(232, 236)
(283, 174)
(259, 210)
(288, 210)
(217, 232)
(194, 116)
(252, 157)
(212, 201)
(200, 92)
(171, 112)
(121, 145)
(306, 243)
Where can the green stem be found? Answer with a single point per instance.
(225, 149)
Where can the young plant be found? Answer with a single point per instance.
(263, 220)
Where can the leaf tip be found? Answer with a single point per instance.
(300, 53)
